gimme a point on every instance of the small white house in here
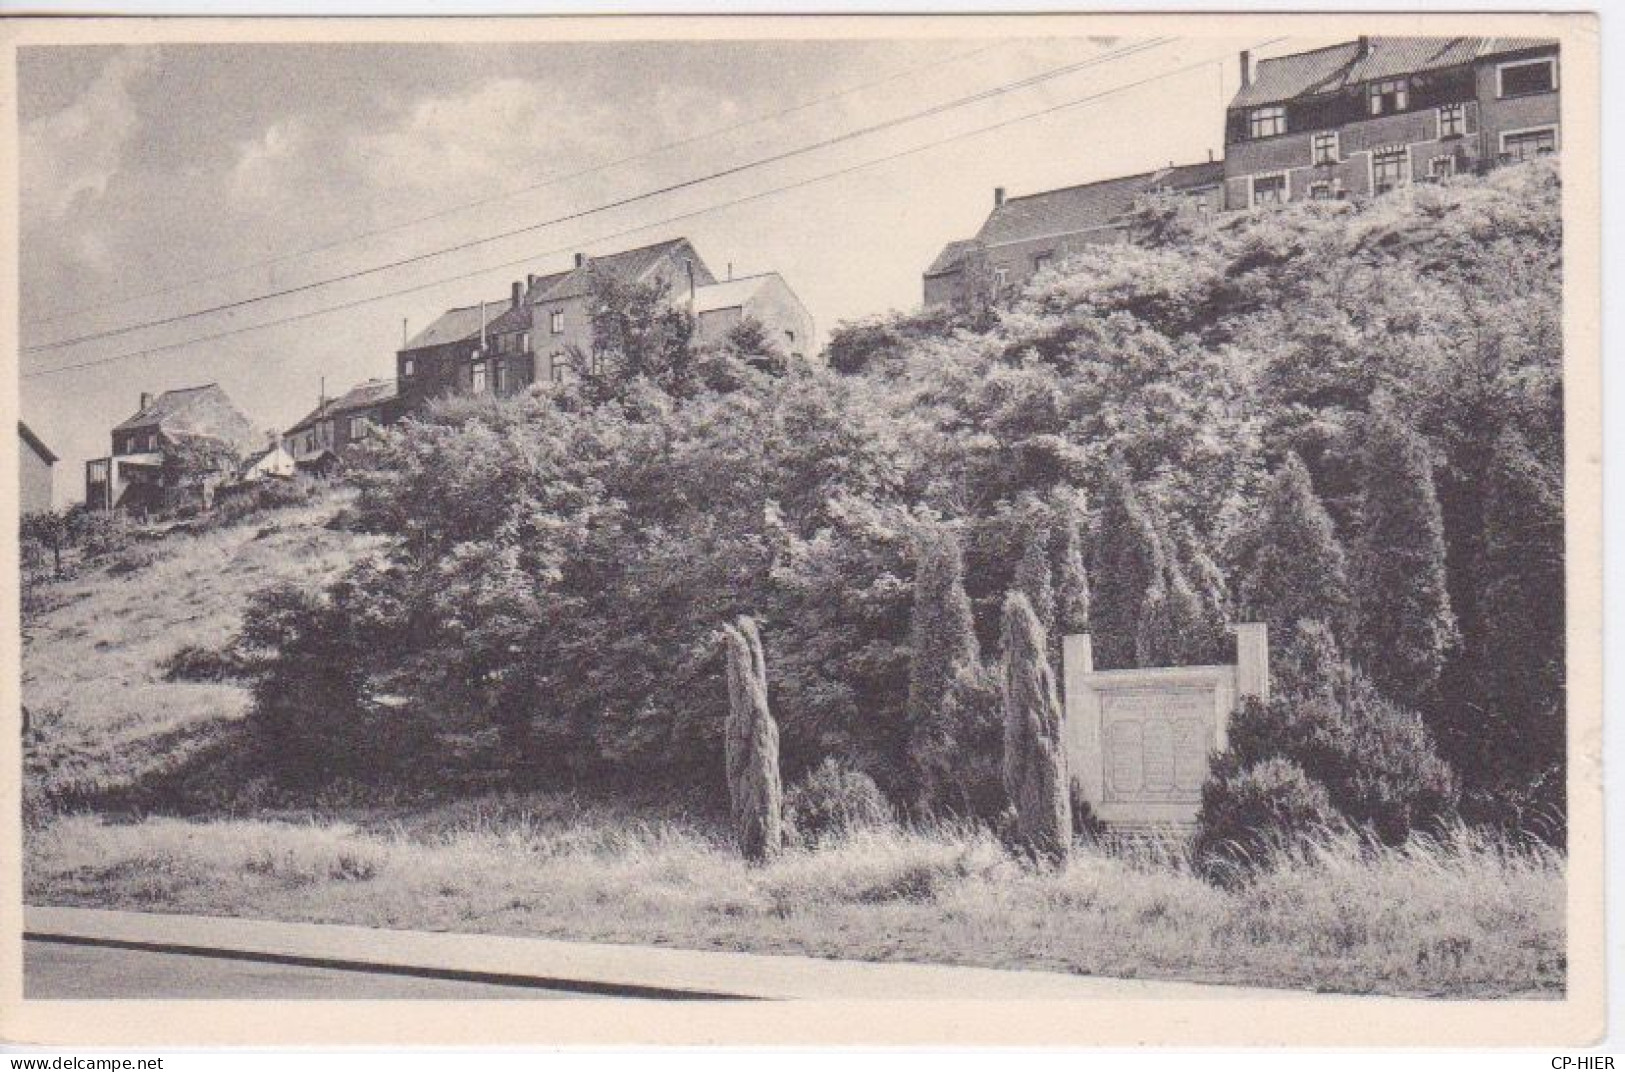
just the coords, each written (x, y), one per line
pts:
(273, 461)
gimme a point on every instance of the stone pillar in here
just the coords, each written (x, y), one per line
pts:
(1253, 660)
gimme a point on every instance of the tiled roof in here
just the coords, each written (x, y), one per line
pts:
(171, 404)
(36, 442)
(1327, 70)
(951, 257)
(1069, 210)
(366, 393)
(629, 264)
(456, 325)
(514, 318)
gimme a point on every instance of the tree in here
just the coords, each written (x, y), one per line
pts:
(638, 334)
(1406, 627)
(1035, 773)
(1072, 597)
(948, 711)
(1128, 561)
(1033, 575)
(752, 738)
(1297, 571)
(52, 530)
(1174, 628)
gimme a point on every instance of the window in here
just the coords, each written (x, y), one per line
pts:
(1389, 170)
(1001, 276)
(1441, 167)
(790, 337)
(409, 367)
(501, 369)
(524, 342)
(358, 428)
(555, 366)
(1323, 148)
(1389, 95)
(557, 321)
(1522, 79)
(1452, 120)
(1043, 260)
(1528, 144)
(1320, 191)
(476, 377)
(1266, 122)
(1269, 189)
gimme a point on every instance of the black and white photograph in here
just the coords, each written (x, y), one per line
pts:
(640, 518)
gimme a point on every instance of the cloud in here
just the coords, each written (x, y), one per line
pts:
(280, 159)
(73, 154)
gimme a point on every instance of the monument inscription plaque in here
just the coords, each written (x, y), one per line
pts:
(1139, 742)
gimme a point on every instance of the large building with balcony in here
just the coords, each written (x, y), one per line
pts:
(1379, 113)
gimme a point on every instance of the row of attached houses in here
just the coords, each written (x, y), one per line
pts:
(495, 347)
(545, 323)
(1356, 119)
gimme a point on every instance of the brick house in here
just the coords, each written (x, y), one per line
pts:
(1378, 113)
(1023, 235)
(176, 449)
(320, 438)
(35, 461)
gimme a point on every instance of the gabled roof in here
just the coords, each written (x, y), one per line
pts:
(1091, 206)
(1337, 67)
(952, 257)
(364, 394)
(1188, 176)
(514, 318)
(37, 443)
(457, 325)
(172, 404)
(630, 265)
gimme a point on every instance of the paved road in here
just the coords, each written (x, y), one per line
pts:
(55, 970)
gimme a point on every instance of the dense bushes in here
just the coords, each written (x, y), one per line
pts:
(1250, 812)
(557, 558)
(832, 801)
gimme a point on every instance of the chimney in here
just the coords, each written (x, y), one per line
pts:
(998, 196)
(581, 260)
(405, 336)
(730, 271)
(518, 289)
(1210, 156)
(482, 326)
(146, 401)
(1364, 48)
(1246, 69)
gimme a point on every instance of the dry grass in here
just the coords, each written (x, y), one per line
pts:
(1460, 917)
(103, 715)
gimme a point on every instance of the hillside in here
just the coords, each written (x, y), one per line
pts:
(104, 717)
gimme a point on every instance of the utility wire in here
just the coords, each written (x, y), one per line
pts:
(553, 180)
(684, 184)
(901, 154)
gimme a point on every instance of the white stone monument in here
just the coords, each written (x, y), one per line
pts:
(1139, 741)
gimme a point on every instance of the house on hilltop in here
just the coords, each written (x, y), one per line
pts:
(502, 347)
(176, 448)
(36, 464)
(1379, 113)
(1024, 235)
(320, 438)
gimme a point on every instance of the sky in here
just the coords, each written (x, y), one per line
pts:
(159, 181)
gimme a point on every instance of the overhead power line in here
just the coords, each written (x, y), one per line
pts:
(631, 199)
(529, 258)
(504, 195)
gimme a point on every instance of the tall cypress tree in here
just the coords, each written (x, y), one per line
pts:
(1072, 595)
(1298, 571)
(1033, 576)
(944, 658)
(1127, 561)
(1405, 624)
(1035, 771)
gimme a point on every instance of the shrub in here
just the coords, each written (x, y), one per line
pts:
(831, 802)
(1250, 811)
(100, 533)
(1376, 760)
(258, 498)
(131, 559)
(192, 662)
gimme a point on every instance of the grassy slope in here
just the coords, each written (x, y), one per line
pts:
(103, 715)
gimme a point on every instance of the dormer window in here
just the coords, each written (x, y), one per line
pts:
(1388, 96)
(1266, 122)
